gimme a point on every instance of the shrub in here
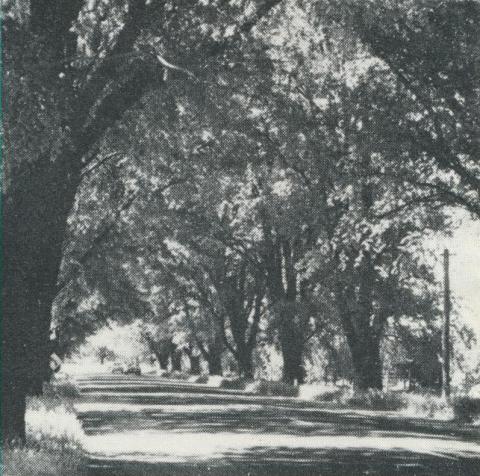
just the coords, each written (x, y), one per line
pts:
(234, 384)
(63, 388)
(176, 375)
(52, 422)
(322, 393)
(274, 388)
(466, 409)
(376, 400)
(425, 405)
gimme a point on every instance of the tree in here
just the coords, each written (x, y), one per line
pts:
(80, 77)
(104, 353)
(431, 48)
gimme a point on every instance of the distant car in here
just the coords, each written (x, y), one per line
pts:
(133, 369)
(118, 368)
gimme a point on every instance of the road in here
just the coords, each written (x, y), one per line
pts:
(152, 426)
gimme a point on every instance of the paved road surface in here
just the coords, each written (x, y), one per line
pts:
(153, 426)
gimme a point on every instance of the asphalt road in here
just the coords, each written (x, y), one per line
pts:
(153, 426)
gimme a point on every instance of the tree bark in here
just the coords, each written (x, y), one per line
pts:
(13, 413)
(292, 353)
(367, 364)
(363, 342)
(176, 356)
(194, 359)
(163, 359)
(215, 351)
(34, 217)
(245, 363)
(194, 364)
(214, 363)
(280, 264)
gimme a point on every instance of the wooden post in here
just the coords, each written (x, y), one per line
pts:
(446, 327)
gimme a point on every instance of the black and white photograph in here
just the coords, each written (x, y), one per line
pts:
(240, 237)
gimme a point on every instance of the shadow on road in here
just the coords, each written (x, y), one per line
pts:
(181, 433)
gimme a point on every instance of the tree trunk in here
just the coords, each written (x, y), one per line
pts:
(34, 221)
(292, 354)
(13, 410)
(215, 364)
(163, 360)
(367, 365)
(244, 360)
(214, 358)
(176, 357)
(291, 345)
(195, 368)
(194, 364)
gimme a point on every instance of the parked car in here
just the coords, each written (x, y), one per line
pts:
(133, 369)
(118, 368)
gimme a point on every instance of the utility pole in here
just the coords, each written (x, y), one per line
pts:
(446, 326)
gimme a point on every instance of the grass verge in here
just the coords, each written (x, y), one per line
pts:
(54, 438)
(414, 405)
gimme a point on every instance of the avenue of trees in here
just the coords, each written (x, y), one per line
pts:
(231, 172)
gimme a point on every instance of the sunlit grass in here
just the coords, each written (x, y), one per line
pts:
(54, 441)
(410, 405)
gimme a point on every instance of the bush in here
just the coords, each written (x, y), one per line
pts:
(53, 423)
(176, 375)
(321, 393)
(466, 409)
(62, 388)
(274, 388)
(425, 405)
(416, 405)
(376, 400)
(234, 384)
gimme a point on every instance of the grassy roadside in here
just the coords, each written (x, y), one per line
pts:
(54, 438)
(425, 405)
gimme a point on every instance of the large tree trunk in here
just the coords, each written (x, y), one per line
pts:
(245, 363)
(367, 364)
(163, 359)
(365, 347)
(214, 359)
(176, 357)
(292, 353)
(363, 342)
(34, 218)
(215, 363)
(13, 410)
(194, 364)
(282, 284)
(195, 368)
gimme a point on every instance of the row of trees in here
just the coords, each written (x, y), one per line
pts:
(222, 166)
(272, 203)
